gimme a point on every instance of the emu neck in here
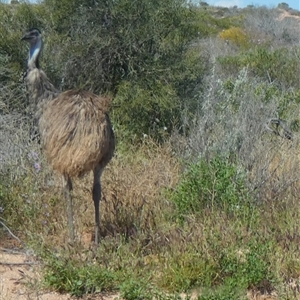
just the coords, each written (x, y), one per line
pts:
(34, 53)
(39, 88)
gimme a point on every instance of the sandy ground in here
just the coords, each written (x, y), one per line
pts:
(15, 270)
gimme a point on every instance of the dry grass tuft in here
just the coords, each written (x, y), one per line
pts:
(131, 197)
(275, 172)
(132, 189)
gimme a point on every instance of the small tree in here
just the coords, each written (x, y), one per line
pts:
(283, 5)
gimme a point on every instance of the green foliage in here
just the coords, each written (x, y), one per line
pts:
(125, 40)
(216, 184)
(134, 290)
(236, 36)
(240, 270)
(246, 267)
(289, 102)
(70, 276)
(62, 13)
(188, 270)
(267, 92)
(209, 25)
(220, 266)
(138, 51)
(145, 109)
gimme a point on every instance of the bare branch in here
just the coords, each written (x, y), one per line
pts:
(9, 231)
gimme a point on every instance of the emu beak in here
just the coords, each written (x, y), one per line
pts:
(28, 37)
(25, 37)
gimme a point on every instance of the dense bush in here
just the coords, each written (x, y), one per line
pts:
(217, 184)
(138, 56)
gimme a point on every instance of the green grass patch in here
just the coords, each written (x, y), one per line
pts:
(65, 275)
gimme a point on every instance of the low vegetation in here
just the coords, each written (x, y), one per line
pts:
(201, 197)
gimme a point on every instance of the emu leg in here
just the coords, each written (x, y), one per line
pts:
(96, 199)
(67, 188)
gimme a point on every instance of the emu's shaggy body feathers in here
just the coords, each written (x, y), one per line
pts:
(76, 132)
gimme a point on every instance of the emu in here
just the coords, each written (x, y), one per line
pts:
(74, 127)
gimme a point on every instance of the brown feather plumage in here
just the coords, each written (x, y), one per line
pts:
(76, 132)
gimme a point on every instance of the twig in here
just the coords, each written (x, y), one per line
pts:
(12, 251)
(9, 231)
(19, 264)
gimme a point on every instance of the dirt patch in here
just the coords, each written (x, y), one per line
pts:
(19, 277)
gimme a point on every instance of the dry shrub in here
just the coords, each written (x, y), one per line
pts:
(132, 190)
(269, 25)
(25, 179)
(275, 172)
(131, 196)
(14, 141)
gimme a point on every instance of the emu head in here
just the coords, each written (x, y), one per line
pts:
(34, 38)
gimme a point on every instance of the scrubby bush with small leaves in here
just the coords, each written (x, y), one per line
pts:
(217, 183)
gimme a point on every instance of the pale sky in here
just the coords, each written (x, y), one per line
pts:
(295, 4)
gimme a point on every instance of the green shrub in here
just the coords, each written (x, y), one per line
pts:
(188, 269)
(239, 270)
(237, 36)
(208, 24)
(246, 267)
(134, 290)
(149, 109)
(216, 183)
